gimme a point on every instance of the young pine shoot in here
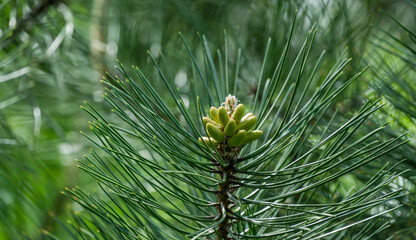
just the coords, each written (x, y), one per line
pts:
(282, 164)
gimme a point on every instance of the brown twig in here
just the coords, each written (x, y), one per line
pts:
(225, 188)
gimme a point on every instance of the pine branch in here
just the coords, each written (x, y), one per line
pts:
(213, 176)
(30, 19)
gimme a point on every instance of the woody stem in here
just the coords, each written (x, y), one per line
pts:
(224, 201)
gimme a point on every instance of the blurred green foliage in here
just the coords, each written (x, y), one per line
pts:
(53, 53)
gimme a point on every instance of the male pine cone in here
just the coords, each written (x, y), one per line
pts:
(229, 126)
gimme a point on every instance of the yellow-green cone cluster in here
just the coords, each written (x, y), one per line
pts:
(229, 126)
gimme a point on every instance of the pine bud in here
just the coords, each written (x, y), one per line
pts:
(215, 133)
(246, 116)
(238, 112)
(237, 139)
(207, 120)
(252, 136)
(223, 116)
(208, 141)
(248, 123)
(230, 103)
(230, 128)
(214, 114)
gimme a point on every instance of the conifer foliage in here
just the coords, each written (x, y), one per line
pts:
(267, 168)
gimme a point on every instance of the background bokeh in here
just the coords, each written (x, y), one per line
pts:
(53, 54)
